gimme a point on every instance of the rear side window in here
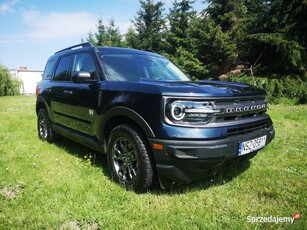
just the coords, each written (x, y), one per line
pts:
(62, 70)
(48, 70)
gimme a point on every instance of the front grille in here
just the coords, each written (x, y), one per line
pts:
(235, 109)
(249, 129)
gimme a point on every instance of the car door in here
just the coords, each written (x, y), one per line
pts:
(75, 105)
(60, 91)
(84, 95)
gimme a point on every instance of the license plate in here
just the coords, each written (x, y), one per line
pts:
(251, 145)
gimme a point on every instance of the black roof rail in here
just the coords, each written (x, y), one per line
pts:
(82, 45)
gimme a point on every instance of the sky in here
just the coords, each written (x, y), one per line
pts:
(32, 30)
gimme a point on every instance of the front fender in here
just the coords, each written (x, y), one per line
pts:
(121, 111)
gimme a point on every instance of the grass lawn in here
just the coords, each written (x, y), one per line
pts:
(65, 185)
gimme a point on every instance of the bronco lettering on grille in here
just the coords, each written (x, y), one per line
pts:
(245, 108)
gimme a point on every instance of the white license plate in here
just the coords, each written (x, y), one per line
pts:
(251, 145)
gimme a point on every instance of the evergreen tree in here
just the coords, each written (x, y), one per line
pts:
(227, 13)
(230, 15)
(100, 37)
(106, 35)
(132, 39)
(279, 29)
(150, 25)
(212, 47)
(179, 19)
(113, 35)
(189, 64)
(178, 41)
(292, 16)
(272, 32)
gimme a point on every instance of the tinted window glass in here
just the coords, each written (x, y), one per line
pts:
(62, 70)
(48, 69)
(85, 62)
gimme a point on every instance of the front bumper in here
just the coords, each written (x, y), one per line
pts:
(186, 161)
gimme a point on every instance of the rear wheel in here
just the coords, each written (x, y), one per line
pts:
(129, 158)
(45, 132)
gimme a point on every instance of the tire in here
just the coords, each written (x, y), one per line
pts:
(129, 158)
(44, 129)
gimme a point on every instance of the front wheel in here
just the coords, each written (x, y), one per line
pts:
(129, 158)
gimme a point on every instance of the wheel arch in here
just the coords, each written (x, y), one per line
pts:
(41, 103)
(120, 115)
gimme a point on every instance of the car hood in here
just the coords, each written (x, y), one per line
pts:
(189, 88)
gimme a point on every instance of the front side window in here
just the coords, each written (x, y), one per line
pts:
(85, 62)
(134, 67)
(62, 70)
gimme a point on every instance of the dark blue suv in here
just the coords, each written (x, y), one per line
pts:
(153, 123)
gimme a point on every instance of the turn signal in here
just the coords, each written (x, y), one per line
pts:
(157, 146)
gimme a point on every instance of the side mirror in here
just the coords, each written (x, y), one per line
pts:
(82, 77)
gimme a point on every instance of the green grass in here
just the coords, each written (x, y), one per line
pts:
(49, 186)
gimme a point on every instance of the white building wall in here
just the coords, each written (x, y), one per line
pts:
(29, 80)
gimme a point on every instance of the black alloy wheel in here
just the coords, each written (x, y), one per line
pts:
(129, 158)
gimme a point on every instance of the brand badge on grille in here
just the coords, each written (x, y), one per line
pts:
(248, 108)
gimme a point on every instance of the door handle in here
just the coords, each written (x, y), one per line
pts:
(68, 92)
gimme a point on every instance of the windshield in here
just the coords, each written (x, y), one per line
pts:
(134, 67)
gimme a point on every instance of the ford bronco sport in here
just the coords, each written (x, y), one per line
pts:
(148, 117)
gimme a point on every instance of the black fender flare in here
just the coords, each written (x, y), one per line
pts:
(40, 100)
(128, 113)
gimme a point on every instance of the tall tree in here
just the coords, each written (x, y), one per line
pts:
(272, 32)
(230, 15)
(113, 35)
(214, 48)
(179, 19)
(131, 38)
(106, 35)
(292, 15)
(150, 25)
(227, 13)
(189, 63)
(178, 40)
(99, 38)
(279, 28)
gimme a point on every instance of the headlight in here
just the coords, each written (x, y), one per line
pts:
(177, 110)
(181, 112)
